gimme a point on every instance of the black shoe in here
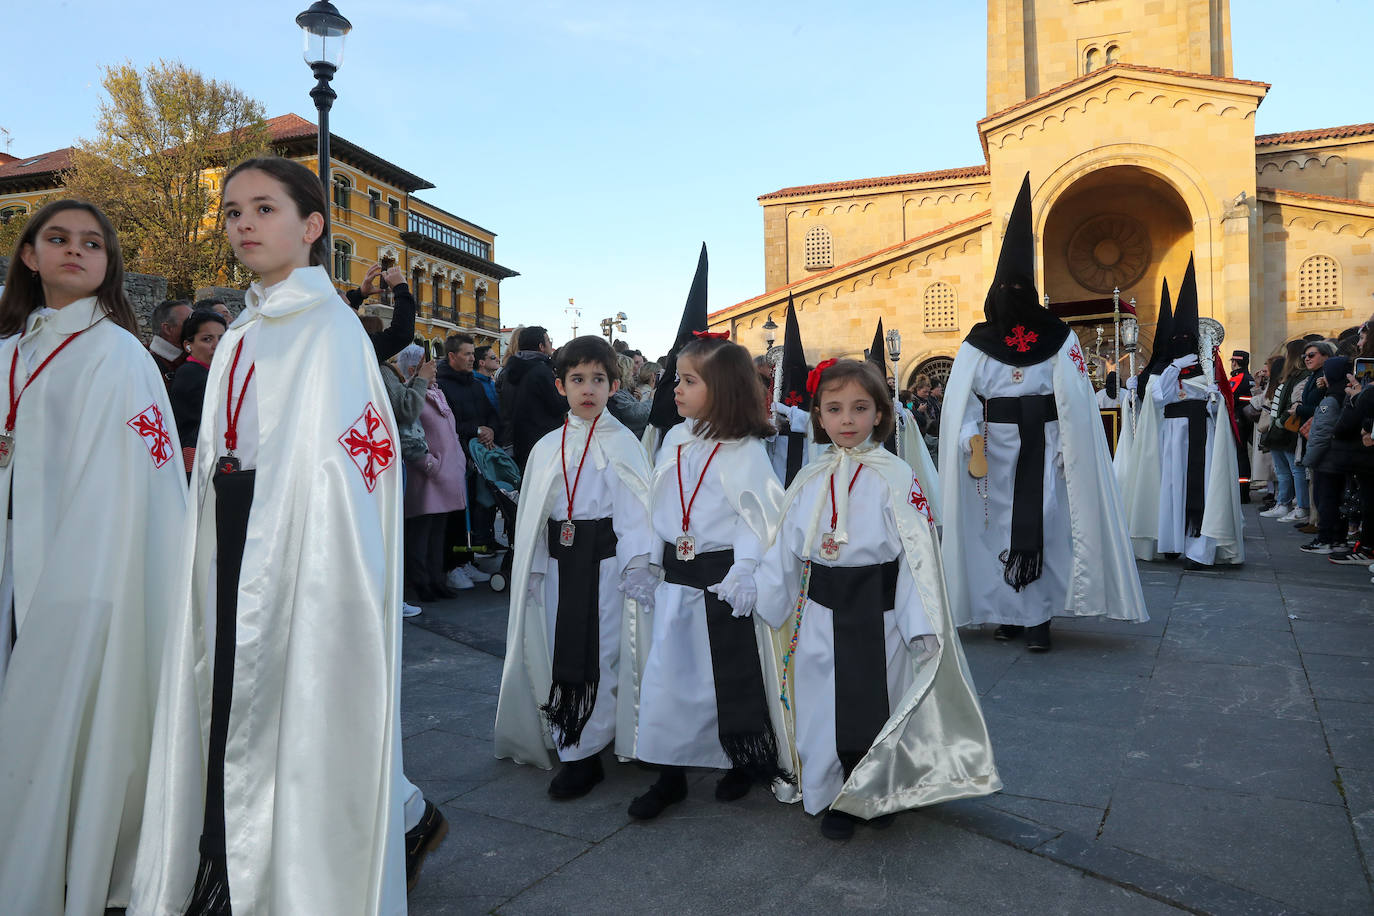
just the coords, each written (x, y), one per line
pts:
(882, 821)
(667, 791)
(836, 825)
(734, 785)
(422, 839)
(1038, 637)
(577, 778)
(1194, 566)
(1171, 556)
(443, 592)
(1007, 631)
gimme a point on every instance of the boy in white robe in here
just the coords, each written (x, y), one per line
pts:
(582, 546)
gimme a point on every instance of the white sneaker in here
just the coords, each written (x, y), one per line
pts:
(409, 610)
(1279, 511)
(458, 579)
(1297, 515)
(475, 573)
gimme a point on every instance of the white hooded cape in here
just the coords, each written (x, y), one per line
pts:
(98, 499)
(1103, 580)
(935, 746)
(522, 731)
(313, 824)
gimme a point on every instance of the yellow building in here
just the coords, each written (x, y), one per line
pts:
(1141, 149)
(450, 261)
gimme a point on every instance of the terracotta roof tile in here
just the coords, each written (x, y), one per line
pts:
(972, 171)
(1323, 198)
(290, 127)
(6, 157)
(1322, 133)
(872, 254)
(54, 161)
(1130, 68)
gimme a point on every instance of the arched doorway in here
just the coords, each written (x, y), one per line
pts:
(1117, 227)
(936, 367)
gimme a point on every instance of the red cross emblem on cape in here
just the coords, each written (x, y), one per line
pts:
(153, 430)
(917, 498)
(371, 455)
(1021, 339)
(793, 399)
(1076, 355)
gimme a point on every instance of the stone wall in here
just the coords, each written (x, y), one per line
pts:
(229, 296)
(145, 291)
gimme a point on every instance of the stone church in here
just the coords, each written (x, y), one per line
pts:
(1141, 148)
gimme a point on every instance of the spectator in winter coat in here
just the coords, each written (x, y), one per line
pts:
(529, 398)
(1328, 484)
(485, 366)
(474, 415)
(401, 334)
(623, 405)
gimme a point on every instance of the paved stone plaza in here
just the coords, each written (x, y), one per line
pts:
(1217, 759)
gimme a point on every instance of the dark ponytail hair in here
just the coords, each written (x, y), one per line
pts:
(303, 187)
(24, 288)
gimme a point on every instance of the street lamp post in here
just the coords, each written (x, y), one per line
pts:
(770, 329)
(1116, 325)
(610, 325)
(324, 28)
(576, 314)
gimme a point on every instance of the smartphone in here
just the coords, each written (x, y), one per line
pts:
(1364, 370)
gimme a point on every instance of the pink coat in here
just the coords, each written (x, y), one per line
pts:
(438, 482)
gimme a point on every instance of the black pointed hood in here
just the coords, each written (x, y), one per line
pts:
(664, 413)
(1016, 328)
(793, 386)
(1159, 350)
(877, 352)
(1183, 337)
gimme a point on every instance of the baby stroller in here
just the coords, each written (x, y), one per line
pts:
(499, 487)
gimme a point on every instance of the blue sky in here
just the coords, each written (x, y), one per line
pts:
(604, 141)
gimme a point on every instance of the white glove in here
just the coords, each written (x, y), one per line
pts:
(966, 435)
(1132, 382)
(534, 591)
(640, 584)
(738, 589)
(925, 647)
(1183, 362)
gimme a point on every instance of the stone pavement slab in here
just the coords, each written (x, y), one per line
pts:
(1217, 759)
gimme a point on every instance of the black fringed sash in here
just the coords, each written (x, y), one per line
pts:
(746, 732)
(233, 502)
(1195, 493)
(1024, 561)
(577, 631)
(857, 597)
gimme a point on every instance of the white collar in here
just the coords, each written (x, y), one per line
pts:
(304, 287)
(78, 316)
(163, 347)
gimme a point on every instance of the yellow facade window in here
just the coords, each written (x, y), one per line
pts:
(1319, 283)
(819, 252)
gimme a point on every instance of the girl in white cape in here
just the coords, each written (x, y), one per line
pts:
(94, 498)
(707, 695)
(885, 715)
(277, 742)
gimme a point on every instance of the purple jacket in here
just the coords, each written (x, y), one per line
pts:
(438, 482)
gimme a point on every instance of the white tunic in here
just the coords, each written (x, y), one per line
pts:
(677, 716)
(987, 507)
(600, 494)
(1173, 467)
(873, 539)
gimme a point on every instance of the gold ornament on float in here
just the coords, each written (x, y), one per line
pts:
(1108, 252)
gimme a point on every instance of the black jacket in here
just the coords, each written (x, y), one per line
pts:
(536, 407)
(187, 397)
(466, 398)
(401, 334)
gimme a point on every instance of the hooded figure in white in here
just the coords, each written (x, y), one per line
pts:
(1039, 530)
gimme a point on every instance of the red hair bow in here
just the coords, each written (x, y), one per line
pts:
(711, 335)
(813, 378)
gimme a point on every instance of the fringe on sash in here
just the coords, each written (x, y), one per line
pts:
(756, 754)
(568, 710)
(1022, 567)
(210, 895)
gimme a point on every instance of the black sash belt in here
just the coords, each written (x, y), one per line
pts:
(1022, 563)
(233, 503)
(857, 597)
(746, 732)
(1195, 495)
(577, 631)
(796, 452)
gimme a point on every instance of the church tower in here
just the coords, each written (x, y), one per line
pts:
(1036, 45)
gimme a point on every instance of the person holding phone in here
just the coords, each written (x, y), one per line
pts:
(401, 333)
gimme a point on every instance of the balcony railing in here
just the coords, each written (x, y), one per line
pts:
(437, 231)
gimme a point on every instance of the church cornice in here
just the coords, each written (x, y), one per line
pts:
(886, 182)
(1348, 133)
(1224, 95)
(927, 242)
(1336, 215)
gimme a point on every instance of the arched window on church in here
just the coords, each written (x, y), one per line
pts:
(941, 308)
(819, 254)
(1092, 60)
(1113, 54)
(1319, 283)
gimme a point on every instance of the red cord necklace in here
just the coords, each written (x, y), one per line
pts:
(7, 438)
(830, 548)
(228, 463)
(568, 531)
(686, 544)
